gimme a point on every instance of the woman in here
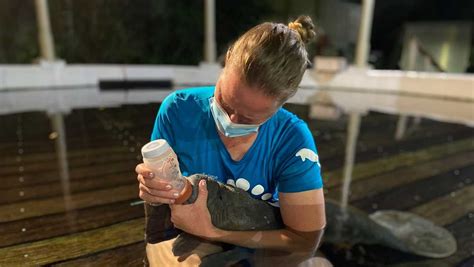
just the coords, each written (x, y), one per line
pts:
(238, 132)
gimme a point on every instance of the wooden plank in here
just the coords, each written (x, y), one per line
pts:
(390, 147)
(77, 143)
(38, 121)
(77, 173)
(88, 117)
(373, 139)
(41, 207)
(48, 156)
(73, 163)
(78, 160)
(448, 208)
(87, 136)
(56, 189)
(379, 166)
(75, 139)
(418, 192)
(367, 188)
(129, 255)
(38, 228)
(462, 230)
(72, 246)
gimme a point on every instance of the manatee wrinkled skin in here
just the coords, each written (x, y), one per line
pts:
(231, 208)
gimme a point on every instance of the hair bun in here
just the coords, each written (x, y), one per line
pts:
(304, 26)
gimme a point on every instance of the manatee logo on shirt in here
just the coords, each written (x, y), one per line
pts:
(307, 154)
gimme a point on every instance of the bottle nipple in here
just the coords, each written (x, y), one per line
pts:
(185, 193)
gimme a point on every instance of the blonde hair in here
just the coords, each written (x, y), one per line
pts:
(273, 56)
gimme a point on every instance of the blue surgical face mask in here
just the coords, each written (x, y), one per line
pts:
(226, 126)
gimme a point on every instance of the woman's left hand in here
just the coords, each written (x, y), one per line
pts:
(194, 218)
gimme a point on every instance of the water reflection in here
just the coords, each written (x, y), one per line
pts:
(58, 134)
(67, 178)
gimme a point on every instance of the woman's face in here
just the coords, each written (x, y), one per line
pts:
(243, 104)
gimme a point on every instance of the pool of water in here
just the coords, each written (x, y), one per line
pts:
(67, 162)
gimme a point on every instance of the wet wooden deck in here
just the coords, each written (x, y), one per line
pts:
(430, 173)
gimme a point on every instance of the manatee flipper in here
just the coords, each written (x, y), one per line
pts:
(420, 236)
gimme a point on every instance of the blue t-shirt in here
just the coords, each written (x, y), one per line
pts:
(282, 158)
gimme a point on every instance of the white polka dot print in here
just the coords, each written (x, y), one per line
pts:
(230, 182)
(243, 184)
(266, 196)
(257, 190)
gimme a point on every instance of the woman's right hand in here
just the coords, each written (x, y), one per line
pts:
(152, 189)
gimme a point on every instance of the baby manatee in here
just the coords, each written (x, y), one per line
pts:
(232, 208)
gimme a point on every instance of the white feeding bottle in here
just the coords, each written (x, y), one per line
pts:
(160, 158)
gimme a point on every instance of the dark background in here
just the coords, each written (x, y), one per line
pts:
(171, 32)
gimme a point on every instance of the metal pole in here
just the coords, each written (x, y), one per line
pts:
(210, 31)
(45, 36)
(365, 28)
